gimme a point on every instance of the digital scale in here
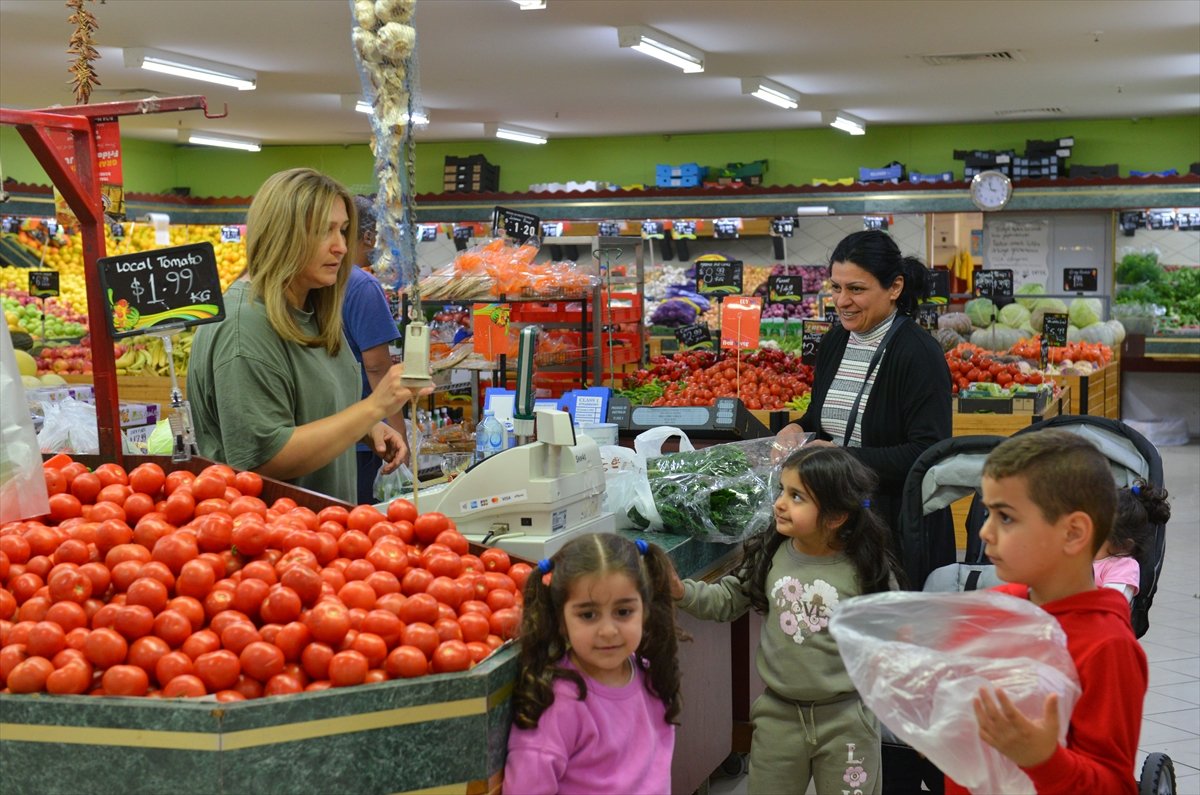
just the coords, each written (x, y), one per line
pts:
(532, 499)
(727, 419)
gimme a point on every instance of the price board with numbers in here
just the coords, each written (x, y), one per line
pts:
(831, 314)
(1054, 329)
(162, 288)
(683, 230)
(784, 289)
(784, 226)
(520, 226)
(727, 228)
(813, 331)
(939, 286)
(428, 232)
(997, 283)
(694, 337)
(654, 230)
(875, 222)
(43, 284)
(1080, 280)
(464, 233)
(608, 228)
(719, 278)
(231, 234)
(552, 229)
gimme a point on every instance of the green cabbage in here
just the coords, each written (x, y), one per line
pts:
(1015, 315)
(1044, 305)
(161, 440)
(981, 311)
(1085, 312)
(1118, 330)
(1029, 288)
(957, 322)
(1097, 332)
(996, 337)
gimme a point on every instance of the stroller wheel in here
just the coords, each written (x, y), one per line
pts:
(734, 765)
(1158, 776)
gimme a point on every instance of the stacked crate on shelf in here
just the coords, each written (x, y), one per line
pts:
(471, 174)
(1089, 393)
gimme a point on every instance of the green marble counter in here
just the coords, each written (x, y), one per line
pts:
(445, 731)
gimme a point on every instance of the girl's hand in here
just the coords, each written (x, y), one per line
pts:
(1003, 726)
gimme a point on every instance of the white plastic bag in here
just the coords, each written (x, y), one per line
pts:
(69, 427)
(919, 660)
(22, 484)
(626, 487)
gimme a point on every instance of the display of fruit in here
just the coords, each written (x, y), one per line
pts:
(68, 359)
(146, 354)
(23, 312)
(179, 585)
(764, 379)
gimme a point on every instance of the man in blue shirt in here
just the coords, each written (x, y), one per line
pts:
(369, 328)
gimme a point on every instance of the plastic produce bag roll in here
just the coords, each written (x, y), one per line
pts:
(22, 484)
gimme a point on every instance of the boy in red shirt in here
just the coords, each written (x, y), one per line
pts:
(1051, 498)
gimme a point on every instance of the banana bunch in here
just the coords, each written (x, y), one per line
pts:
(146, 355)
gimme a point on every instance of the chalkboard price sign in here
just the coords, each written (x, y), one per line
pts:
(683, 230)
(429, 232)
(831, 314)
(515, 224)
(231, 234)
(43, 284)
(928, 314)
(784, 289)
(996, 283)
(166, 287)
(608, 228)
(719, 278)
(653, 230)
(784, 226)
(552, 229)
(814, 331)
(726, 228)
(464, 233)
(694, 336)
(1054, 329)
(1080, 280)
(939, 286)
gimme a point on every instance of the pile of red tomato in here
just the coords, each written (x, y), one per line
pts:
(765, 379)
(147, 583)
(970, 364)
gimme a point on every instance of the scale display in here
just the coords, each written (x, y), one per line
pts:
(727, 419)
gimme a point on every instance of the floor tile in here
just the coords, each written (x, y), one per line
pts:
(1157, 702)
(1156, 652)
(1183, 691)
(1186, 720)
(1184, 752)
(1156, 732)
(1177, 621)
(1190, 666)
(1187, 785)
(1182, 641)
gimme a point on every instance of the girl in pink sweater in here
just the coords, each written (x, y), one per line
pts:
(596, 698)
(1139, 508)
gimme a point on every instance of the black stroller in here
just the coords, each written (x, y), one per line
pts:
(952, 469)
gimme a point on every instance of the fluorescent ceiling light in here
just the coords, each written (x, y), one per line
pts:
(530, 5)
(659, 45)
(362, 106)
(807, 210)
(841, 120)
(226, 142)
(511, 133)
(186, 66)
(770, 91)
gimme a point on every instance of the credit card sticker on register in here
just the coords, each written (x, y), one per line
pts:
(466, 506)
(558, 521)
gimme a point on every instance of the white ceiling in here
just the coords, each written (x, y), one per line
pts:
(560, 70)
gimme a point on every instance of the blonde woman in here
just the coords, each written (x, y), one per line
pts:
(274, 387)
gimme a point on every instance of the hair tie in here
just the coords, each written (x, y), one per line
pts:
(866, 503)
(642, 546)
(545, 565)
(1136, 489)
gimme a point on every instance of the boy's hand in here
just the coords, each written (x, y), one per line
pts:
(676, 585)
(1003, 726)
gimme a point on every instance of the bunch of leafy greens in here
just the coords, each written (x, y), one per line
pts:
(645, 394)
(710, 493)
(1138, 267)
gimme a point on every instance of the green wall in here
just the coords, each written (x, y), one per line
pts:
(796, 156)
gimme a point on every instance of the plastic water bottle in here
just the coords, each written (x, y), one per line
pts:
(489, 437)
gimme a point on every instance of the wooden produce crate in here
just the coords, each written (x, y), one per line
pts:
(1006, 424)
(784, 416)
(139, 388)
(1112, 392)
(1088, 392)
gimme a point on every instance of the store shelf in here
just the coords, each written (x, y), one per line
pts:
(1140, 354)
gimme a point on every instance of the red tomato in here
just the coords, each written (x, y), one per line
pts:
(30, 675)
(105, 648)
(218, 670)
(228, 696)
(184, 686)
(215, 532)
(451, 655)
(292, 639)
(149, 592)
(261, 660)
(358, 570)
(207, 487)
(171, 665)
(46, 639)
(250, 538)
(506, 622)
(479, 651)
(401, 511)
(446, 591)
(474, 626)
(64, 506)
(416, 581)
(475, 606)
(192, 608)
(455, 540)
(500, 598)
(421, 635)
(445, 564)
(383, 583)
(496, 560)
(68, 615)
(428, 525)
(147, 479)
(146, 652)
(420, 607)
(55, 482)
(179, 507)
(125, 680)
(173, 627)
(348, 668)
(357, 594)
(238, 635)
(86, 486)
(73, 678)
(315, 660)
(200, 643)
(70, 586)
(134, 621)
(115, 494)
(282, 684)
(519, 572)
(363, 517)
(329, 622)
(370, 646)
(448, 629)
(247, 687)
(406, 662)
(175, 550)
(282, 605)
(249, 595)
(196, 579)
(248, 483)
(305, 582)
(354, 544)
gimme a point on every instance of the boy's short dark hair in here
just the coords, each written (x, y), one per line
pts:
(1063, 472)
(366, 216)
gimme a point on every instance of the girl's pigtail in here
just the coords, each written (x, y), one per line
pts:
(541, 646)
(1153, 500)
(661, 634)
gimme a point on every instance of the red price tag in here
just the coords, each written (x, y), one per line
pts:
(740, 318)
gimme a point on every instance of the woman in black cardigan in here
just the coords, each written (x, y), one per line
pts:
(877, 371)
